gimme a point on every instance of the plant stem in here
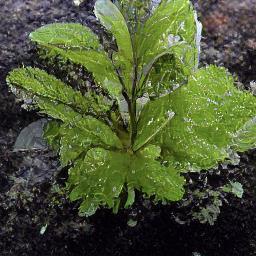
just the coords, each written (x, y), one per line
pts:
(133, 112)
(133, 121)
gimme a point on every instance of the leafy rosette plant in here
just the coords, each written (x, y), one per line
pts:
(156, 114)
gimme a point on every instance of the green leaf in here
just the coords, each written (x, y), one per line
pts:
(74, 141)
(99, 178)
(39, 83)
(52, 134)
(77, 43)
(245, 138)
(68, 35)
(151, 151)
(166, 73)
(61, 102)
(172, 23)
(130, 197)
(135, 12)
(154, 116)
(209, 111)
(98, 63)
(153, 179)
(113, 20)
(235, 188)
(99, 132)
(132, 223)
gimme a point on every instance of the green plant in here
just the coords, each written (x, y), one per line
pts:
(208, 211)
(154, 114)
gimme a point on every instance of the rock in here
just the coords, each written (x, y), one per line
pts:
(31, 137)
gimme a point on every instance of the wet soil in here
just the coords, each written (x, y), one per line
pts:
(30, 197)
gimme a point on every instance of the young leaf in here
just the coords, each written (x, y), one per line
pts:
(82, 47)
(235, 188)
(153, 118)
(245, 138)
(209, 110)
(113, 20)
(135, 12)
(130, 197)
(172, 23)
(166, 73)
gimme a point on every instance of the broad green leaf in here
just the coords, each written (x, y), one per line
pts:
(172, 21)
(153, 179)
(57, 110)
(113, 20)
(209, 111)
(151, 151)
(165, 74)
(39, 83)
(99, 179)
(167, 68)
(74, 141)
(79, 138)
(69, 141)
(99, 132)
(170, 30)
(154, 116)
(77, 43)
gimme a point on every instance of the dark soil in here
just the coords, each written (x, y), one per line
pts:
(29, 194)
